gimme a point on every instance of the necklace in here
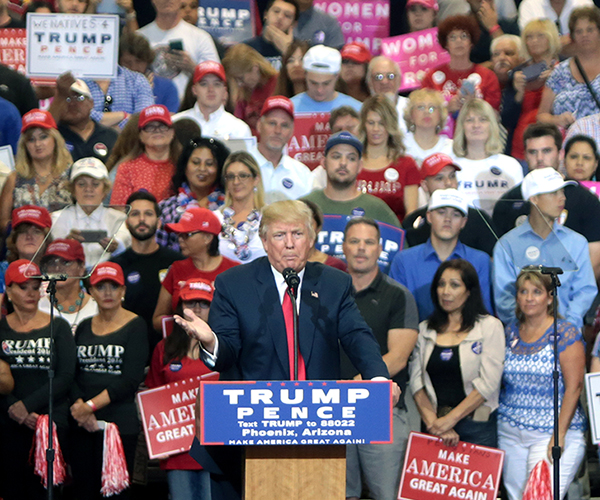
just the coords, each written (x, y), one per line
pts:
(239, 237)
(72, 309)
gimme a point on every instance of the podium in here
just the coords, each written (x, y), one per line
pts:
(294, 432)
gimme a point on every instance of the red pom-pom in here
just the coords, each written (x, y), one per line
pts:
(539, 484)
(39, 444)
(115, 477)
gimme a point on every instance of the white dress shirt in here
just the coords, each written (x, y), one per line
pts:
(220, 124)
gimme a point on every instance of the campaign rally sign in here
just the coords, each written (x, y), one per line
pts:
(311, 131)
(229, 21)
(13, 48)
(415, 53)
(433, 471)
(86, 45)
(331, 238)
(169, 416)
(365, 21)
(295, 412)
(592, 186)
(592, 384)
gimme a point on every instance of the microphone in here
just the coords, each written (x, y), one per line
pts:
(292, 279)
(550, 270)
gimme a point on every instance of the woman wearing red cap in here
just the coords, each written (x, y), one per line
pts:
(355, 59)
(25, 338)
(73, 303)
(178, 358)
(30, 228)
(198, 232)
(41, 168)
(151, 163)
(112, 350)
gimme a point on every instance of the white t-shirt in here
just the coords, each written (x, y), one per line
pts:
(541, 9)
(75, 318)
(290, 180)
(220, 124)
(483, 182)
(400, 107)
(196, 42)
(443, 145)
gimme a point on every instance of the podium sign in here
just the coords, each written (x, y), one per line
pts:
(295, 413)
(433, 471)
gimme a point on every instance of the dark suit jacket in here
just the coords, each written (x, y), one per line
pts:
(247, 317)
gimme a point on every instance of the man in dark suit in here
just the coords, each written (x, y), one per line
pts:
(249, 340)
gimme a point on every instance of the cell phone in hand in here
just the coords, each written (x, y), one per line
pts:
(467, 88)
(176, 45)
(93, 235)
(534, 71)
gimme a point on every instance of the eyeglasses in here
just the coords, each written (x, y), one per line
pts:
(428, 109)
(108, 102)
(154, 129)
(192, 304)
(382, 76)
(79, 98)
(185, 236)
(243, 177)
(462, 36)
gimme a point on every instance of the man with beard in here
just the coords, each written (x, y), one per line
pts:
(146, 263)
(71, 108)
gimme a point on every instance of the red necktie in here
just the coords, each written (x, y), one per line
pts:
(288, 316)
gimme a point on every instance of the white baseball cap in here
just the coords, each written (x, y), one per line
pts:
(81, 88)
(448, 198)
(324, 60)
(89, 166)
(542, 181)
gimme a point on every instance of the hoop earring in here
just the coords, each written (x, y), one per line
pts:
(412, 127)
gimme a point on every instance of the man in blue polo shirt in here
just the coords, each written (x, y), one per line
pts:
(415, 267)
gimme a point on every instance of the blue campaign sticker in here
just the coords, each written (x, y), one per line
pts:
(287, 183)
(476, 347)
(358, 212)
(175, 366)
(496, 170)
(133, 277)
(291, 413)
(446, 355)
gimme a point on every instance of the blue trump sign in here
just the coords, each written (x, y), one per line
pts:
(295, 412)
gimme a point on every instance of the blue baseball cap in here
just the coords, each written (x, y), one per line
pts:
(344, 137)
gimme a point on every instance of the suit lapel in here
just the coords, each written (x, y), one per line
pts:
(309, 311)
(271, 305)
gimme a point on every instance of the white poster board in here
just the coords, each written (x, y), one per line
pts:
(86, 45)
(592, 384)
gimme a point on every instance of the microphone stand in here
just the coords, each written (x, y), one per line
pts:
(50, 452)
(292, 294)
(556, 452)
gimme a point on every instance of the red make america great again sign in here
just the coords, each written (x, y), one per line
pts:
(433, 471)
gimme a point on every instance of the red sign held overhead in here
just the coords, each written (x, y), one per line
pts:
(433, 471)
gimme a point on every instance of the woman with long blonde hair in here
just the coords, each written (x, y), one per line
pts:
(41, 169)
(485, 173)
(251, 80)
(387, 173)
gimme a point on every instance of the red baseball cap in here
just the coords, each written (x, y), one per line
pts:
(436, 162)
(67, 249)
(155, 113)
(209, 68)
(196, 219)
(37, 118)
(278, 102)
(20, 271)
(197, 289)
(38, 216)
(108, 271)
(357, 52)
(430, 4)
